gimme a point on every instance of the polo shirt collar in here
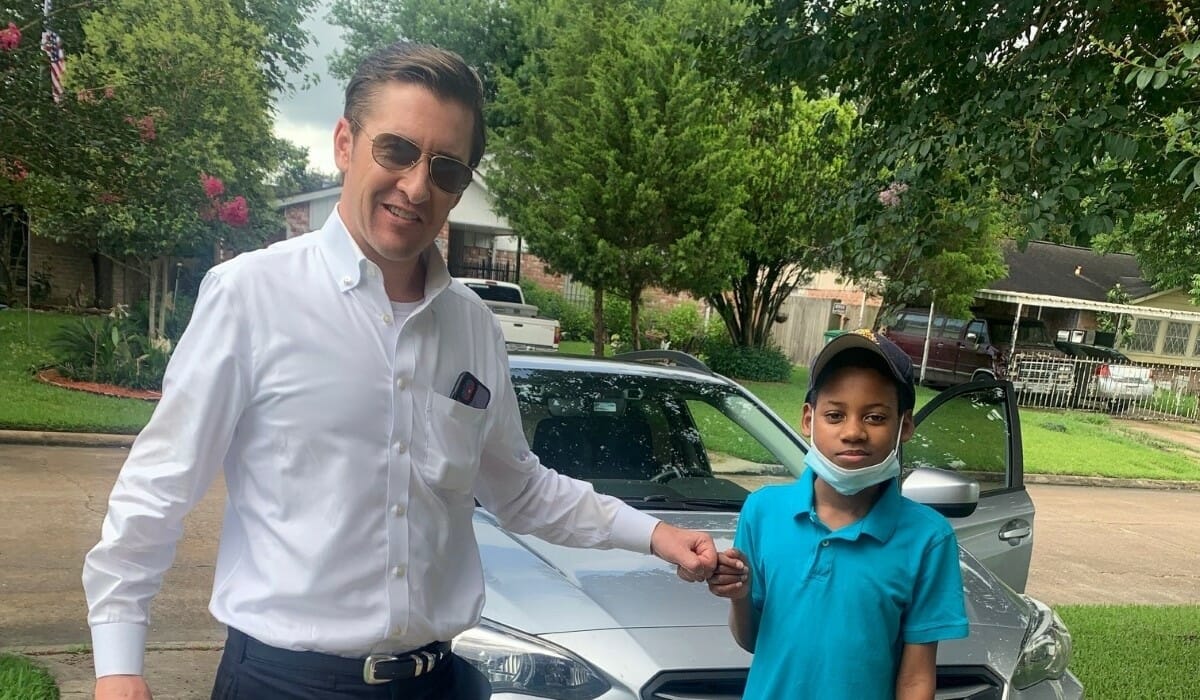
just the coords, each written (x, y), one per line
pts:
(348, 265)
(880, 521)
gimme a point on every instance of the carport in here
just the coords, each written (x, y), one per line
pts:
(1027, 299)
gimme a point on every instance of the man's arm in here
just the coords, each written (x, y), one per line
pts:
(917, 677)
(170, 466)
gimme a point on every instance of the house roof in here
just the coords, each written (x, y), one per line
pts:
(1070, 272)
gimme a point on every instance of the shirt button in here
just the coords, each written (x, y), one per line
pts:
(346, 281)
(825, 543)
(371, 272)
(387, 319)
(400, 383)
(398, 572)
(400, 447)
(398, 510)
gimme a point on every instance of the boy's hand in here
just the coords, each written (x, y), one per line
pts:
(732, 577)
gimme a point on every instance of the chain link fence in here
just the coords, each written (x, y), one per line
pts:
(1129, 389)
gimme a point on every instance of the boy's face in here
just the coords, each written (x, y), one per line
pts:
(857, 418)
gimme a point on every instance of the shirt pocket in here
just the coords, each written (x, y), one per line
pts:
(455, 442)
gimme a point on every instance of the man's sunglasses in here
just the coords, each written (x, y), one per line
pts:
(394, 152)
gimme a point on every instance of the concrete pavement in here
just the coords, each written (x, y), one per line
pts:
(1093, 545)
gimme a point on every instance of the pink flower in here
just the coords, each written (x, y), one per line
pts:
(85, 96)
(213, 187)
(10, 37)
(891, 196)
(235, 212)
(146, 130)
(13, 170)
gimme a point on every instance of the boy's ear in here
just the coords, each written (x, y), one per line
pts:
(907, 426)
(806, 418)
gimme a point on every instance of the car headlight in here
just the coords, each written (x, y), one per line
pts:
(1047, 648)
(517, 663)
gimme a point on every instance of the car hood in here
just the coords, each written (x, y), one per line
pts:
(550, 590)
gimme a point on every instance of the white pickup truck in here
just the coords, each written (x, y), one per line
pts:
(523, 328)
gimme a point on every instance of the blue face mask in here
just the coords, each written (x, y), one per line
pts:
(850, 481)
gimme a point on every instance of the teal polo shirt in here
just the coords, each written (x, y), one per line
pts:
(837, 607)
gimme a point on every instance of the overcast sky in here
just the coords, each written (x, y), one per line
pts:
(306, 117)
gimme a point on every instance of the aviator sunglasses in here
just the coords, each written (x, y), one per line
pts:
(394, 152)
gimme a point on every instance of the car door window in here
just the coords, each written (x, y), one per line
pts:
(974, 429)
(979, 328)
(952, 329)
(968, 434)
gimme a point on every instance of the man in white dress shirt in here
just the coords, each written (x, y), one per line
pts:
(323, 376)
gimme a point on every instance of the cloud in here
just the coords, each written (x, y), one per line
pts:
(306, 116)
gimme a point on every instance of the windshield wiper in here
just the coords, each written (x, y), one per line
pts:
(664, 502)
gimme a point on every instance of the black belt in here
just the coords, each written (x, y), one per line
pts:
(374, 670)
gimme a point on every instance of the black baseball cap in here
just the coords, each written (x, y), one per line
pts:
(894, 358)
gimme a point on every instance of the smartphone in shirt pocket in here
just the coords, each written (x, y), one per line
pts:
(469, 391)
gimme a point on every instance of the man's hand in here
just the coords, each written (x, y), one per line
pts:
(732, 577)
(122, 688)
(693, 553)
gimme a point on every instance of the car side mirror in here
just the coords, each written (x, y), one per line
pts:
(973, 338)
(949, 493)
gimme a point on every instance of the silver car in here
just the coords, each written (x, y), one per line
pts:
(666, 435)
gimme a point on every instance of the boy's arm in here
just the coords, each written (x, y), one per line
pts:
(917, 677)
(743, 622)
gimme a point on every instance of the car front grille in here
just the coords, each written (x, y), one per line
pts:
(953, 683)
(696, 685)
(967, 683)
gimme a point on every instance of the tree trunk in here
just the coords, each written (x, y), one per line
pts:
(162, 309)
(635, 302)
(599, 339)
(151, 302)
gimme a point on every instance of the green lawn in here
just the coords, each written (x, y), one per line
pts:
(21, 679)
(29, 404)
(1084, 444)
(1136, 651)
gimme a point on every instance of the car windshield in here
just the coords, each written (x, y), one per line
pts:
(655, 442)
(1029, 333)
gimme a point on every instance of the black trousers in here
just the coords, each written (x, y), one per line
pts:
(250, 670)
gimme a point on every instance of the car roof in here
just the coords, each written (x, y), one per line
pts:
(564, 362)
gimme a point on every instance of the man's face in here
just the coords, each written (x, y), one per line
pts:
(395, 215)
(856, 419)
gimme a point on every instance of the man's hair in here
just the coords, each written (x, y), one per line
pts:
(858, 358)
(443, 72)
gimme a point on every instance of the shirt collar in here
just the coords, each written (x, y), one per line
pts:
(880, 521)
(347, 264)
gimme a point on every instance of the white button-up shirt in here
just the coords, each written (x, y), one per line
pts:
(351, 473)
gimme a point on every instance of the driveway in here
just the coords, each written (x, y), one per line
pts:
(1094, 545)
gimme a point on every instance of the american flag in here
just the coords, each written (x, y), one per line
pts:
(52, 46)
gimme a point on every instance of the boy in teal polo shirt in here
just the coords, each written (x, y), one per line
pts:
(840, 586)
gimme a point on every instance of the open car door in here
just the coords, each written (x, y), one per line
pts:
(974, 429)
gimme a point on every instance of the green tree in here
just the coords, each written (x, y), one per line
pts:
(489, 34)
(933, 242)
(798, 152)
(624, 165)
(293, 174)
(1074, 111)
(182, 98)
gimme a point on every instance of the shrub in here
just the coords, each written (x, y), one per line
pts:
(755, 364)
(682, 325)
(109, 350)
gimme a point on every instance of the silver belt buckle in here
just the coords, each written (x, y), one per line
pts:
(369, 668)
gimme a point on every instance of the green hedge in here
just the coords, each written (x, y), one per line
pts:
(754, 364)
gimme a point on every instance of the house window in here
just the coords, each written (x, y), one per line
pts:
(1196, 347)
(1177, 337)
(1145, 335)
